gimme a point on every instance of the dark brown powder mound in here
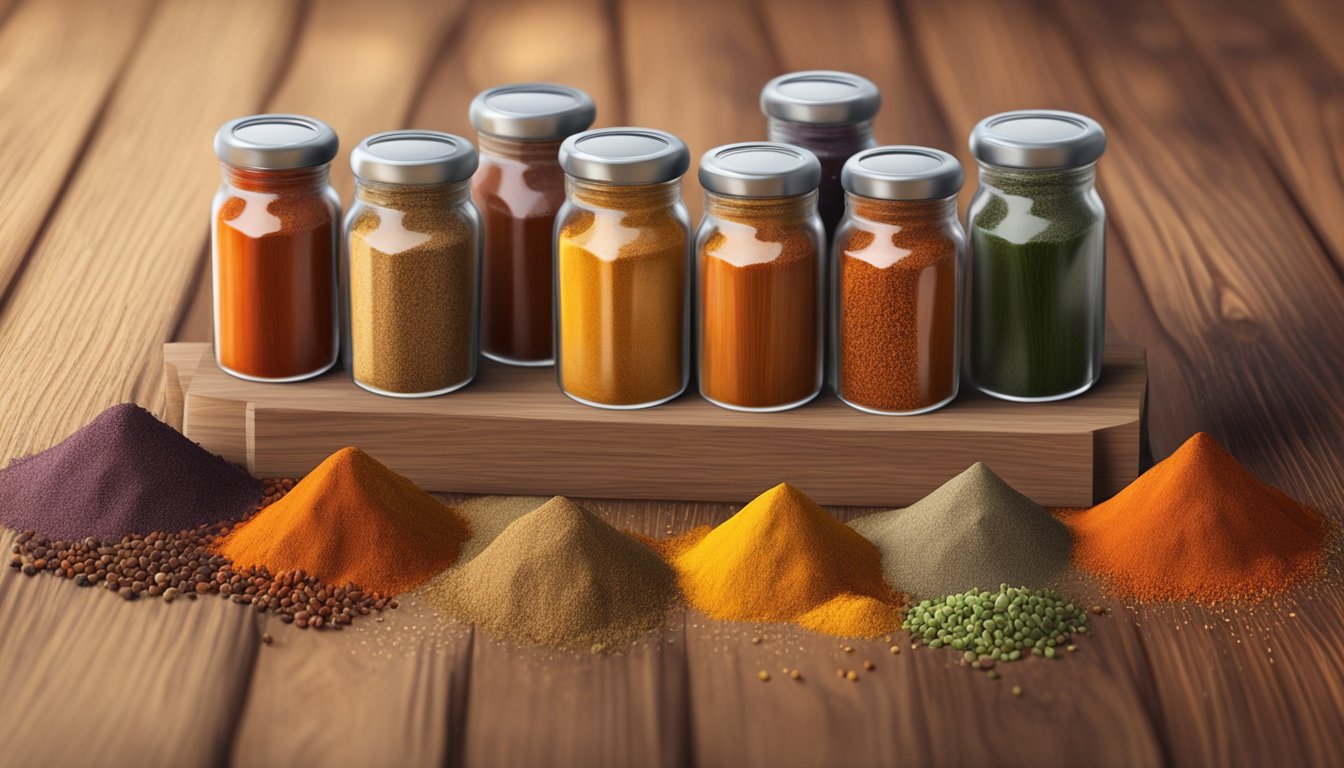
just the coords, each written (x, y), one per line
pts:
(561, 577)
(123, 473)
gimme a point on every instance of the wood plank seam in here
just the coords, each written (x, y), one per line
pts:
(76, 160)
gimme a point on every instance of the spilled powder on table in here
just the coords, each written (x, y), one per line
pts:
(352, 521)
(782, 558)
(1199, 526)
(125, 472)
(974, 532)
(560, 577)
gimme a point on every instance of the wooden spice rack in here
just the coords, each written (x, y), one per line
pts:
(513, 432)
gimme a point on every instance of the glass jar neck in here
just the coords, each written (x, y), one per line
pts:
(1039, 183)
(846, 138)
(295, 180)
(793, 208)
(395, 195)
(903, 213)
(624, 197)
(530, 152)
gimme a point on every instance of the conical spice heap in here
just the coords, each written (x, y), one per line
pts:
(782, 558)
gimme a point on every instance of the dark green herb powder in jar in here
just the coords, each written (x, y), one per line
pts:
(1037, 268)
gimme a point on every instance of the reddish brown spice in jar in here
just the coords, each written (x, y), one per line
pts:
(896, 304)
(760, 289)
(275, 273)
(518, 190)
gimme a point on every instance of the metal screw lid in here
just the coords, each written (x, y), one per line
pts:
(532, 111)
(413, 157)
(902, 173)
(1038, 139)
(759, 169)
(625, 156)
(822, 97)
(276, 142)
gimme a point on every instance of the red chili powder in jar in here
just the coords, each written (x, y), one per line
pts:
(897, 307)
(275, 274)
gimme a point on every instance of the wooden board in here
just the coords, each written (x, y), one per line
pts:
(1223, 262)
(512, 431)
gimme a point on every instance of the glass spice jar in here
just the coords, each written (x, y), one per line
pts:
(412, 264)
(831, 115)
(899, 255)
(622, 269)
(274, 242)
(1037, 272)
(518, 189)
(759, 278)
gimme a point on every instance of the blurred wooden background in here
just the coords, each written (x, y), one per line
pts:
(1224, 182)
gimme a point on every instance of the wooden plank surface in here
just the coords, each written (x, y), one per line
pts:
(516, 432)
(182, 670)
(1285, 90)
(1190, 224)
(61, 61)
(362, 72)
(130, 222)
(1221, 183)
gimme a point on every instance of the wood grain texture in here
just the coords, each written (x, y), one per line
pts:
(1285, 90)
(533, 707)
(59, 63)
(362, 71)
(513, 431)
(1218, 264)
(130, 222)
(1222, 324)
(709, 75)
(181, 672)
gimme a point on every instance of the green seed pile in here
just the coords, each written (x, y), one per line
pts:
(173, 565)
(1000, 625)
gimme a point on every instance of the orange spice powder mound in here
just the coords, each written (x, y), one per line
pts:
(352, 521)
(1198, 526)
(782, 558)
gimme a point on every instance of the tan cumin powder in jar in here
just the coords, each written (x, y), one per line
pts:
(412, 265)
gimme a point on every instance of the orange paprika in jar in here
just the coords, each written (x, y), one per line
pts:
(274, 247)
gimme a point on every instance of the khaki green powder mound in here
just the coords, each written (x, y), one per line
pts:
(974, 532)
(560, 577)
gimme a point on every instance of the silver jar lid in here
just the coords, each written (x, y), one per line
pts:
(759, 169)
(532, 111)
(413, 157)
(821, 97)
(1038, 139)
(276, 142)
(902, 173)
(625, 156)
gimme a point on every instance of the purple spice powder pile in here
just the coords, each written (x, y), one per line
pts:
(124, 472)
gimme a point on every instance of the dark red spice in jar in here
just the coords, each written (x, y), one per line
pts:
(519, 188)
(898, 258)
(274, 247)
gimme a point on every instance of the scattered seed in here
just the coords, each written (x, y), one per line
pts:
(1017, 690)
(993, 674)
(852, 676)
(795, 675)
(266, 638)
(868, 665)
(756, 641)
(763, 675)
(895, 649)
(847, 648)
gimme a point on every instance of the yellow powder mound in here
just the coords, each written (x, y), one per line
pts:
(782, 558)
(352, 521)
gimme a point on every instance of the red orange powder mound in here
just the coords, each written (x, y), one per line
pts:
(1199, 526)
(352, 521)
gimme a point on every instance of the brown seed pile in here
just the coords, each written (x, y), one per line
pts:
(173, 565)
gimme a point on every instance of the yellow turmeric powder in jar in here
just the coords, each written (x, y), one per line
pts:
(622, 269)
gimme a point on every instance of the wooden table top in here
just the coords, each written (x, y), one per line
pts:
(1224, 181)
